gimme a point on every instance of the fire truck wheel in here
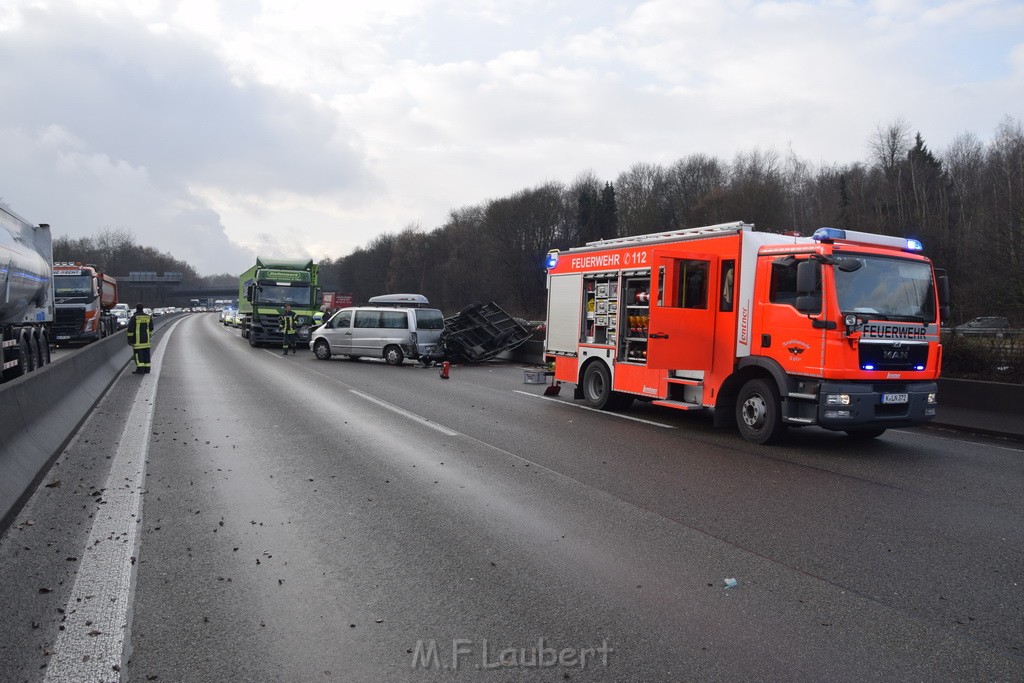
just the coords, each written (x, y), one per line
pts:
(597, 387)
(322, 349)
(757, 412)
(393, 355)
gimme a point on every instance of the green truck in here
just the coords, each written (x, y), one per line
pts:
(263, 291)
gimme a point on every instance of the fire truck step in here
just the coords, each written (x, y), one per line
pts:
(687, 382)
(678, 405)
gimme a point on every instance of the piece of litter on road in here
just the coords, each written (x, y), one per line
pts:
(730, 583)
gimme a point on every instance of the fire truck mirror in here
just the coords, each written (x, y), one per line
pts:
(807, 276)
(808, 304)
(848, 265)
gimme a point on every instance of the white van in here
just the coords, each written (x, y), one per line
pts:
(394, 327)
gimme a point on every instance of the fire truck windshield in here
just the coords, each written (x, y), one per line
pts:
(72, 285)
(278, 295)
(888, 289)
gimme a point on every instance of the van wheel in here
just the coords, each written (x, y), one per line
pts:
(758, 413)
(322, 349)
(393, 355)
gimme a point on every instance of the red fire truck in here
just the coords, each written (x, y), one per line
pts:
(838, 330)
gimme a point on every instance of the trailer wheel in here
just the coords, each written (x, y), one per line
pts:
(871, 433)
(322, 349)
(43, 344)
(33, 353)
(393, 355)
(24, 358)
(758, 413)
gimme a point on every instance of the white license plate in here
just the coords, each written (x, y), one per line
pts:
(895, 398)
(63, 336)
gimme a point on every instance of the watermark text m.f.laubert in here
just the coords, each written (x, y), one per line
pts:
(482, 654)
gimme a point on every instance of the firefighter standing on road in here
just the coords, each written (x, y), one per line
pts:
(288, 329)
(140, 336)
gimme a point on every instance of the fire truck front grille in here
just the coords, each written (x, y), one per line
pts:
(893, 356)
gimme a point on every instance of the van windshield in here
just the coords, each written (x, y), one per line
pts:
(429, 319)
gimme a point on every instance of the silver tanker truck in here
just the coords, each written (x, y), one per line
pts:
(26, 294)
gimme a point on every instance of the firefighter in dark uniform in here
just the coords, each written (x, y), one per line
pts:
(288, 328)
(140, 336)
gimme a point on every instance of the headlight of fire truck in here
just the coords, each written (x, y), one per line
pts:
(837, 399)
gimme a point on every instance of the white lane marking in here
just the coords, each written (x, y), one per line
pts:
(961, 441)
(97, 625)
(603, 412)
(405, 413)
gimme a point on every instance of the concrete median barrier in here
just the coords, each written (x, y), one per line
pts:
(43, 409)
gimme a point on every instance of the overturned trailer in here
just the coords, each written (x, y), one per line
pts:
(477, 333)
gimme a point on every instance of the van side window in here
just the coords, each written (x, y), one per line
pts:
(367, 319)
(394, 320)
(343, 320)
(429, 319)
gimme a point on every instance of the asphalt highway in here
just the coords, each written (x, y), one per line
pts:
(241, 516)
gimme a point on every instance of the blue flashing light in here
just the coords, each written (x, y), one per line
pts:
(552, 259)
(914, 245)
(868, 367)
(828, 234)
(919, 367)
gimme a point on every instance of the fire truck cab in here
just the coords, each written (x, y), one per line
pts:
(767, 331)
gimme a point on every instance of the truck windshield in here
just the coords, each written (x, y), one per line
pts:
(276, 294)
(72, 285)
(888, 288)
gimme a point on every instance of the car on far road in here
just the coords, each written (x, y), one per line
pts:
(984, 326)
(121, 317)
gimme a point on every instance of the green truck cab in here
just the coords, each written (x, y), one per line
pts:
(265, 289)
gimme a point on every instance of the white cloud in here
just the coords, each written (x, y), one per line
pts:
(218, 129)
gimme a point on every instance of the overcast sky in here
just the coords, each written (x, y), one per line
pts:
(219, 129)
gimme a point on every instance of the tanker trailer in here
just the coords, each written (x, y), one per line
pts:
(26, 294)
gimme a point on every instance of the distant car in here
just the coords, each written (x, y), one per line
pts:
(985, 325)
(121, 317)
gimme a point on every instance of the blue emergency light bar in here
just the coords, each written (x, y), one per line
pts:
(832, 234)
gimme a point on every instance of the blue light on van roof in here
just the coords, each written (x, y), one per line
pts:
(828, 234)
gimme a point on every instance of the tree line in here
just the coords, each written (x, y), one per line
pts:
(965, 203)
(115, 251)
